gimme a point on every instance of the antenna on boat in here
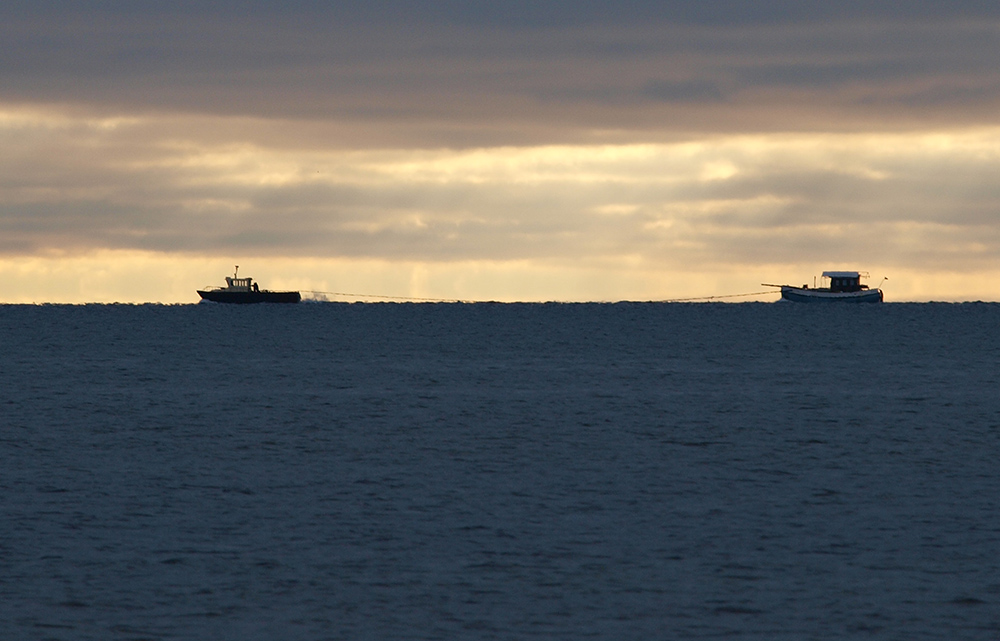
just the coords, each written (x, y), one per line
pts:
(236, 273)
(884, 278)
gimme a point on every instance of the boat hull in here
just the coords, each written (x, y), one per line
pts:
(246, 298)
(802, 295)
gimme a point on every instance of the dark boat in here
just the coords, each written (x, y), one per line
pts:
(844, 287)
(244, 291)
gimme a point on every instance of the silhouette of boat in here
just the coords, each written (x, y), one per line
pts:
(244, 291)
(843, 287)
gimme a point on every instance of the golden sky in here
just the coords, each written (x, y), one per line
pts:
(655, 152)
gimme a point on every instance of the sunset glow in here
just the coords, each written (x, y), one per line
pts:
(469, 169)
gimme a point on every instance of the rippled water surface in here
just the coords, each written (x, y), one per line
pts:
(629, 471)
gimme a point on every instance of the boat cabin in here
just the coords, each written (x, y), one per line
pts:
(241, 284)
(845, 281)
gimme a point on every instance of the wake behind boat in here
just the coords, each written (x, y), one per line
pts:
(837, 287)
(244, 291)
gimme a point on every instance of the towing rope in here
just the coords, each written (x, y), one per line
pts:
(458, 300)
(414, 298)
(685, 300)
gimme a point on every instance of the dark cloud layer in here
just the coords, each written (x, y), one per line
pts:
(470, 73)
(521, 13)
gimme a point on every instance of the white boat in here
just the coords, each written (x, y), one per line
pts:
(835, 287)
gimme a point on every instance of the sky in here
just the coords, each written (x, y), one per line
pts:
(510, 151)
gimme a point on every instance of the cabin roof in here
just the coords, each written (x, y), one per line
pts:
(841, 275)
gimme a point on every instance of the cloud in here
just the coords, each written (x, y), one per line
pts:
(84, 185)
(493, 74)
(584, 136)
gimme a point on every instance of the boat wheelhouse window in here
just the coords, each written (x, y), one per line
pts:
(238, 283)
(845, 284)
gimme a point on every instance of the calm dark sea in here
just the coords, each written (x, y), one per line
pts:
(488, 471)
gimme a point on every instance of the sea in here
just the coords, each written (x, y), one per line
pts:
(499, 471)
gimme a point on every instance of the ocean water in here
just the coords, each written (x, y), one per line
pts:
(488, 471)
